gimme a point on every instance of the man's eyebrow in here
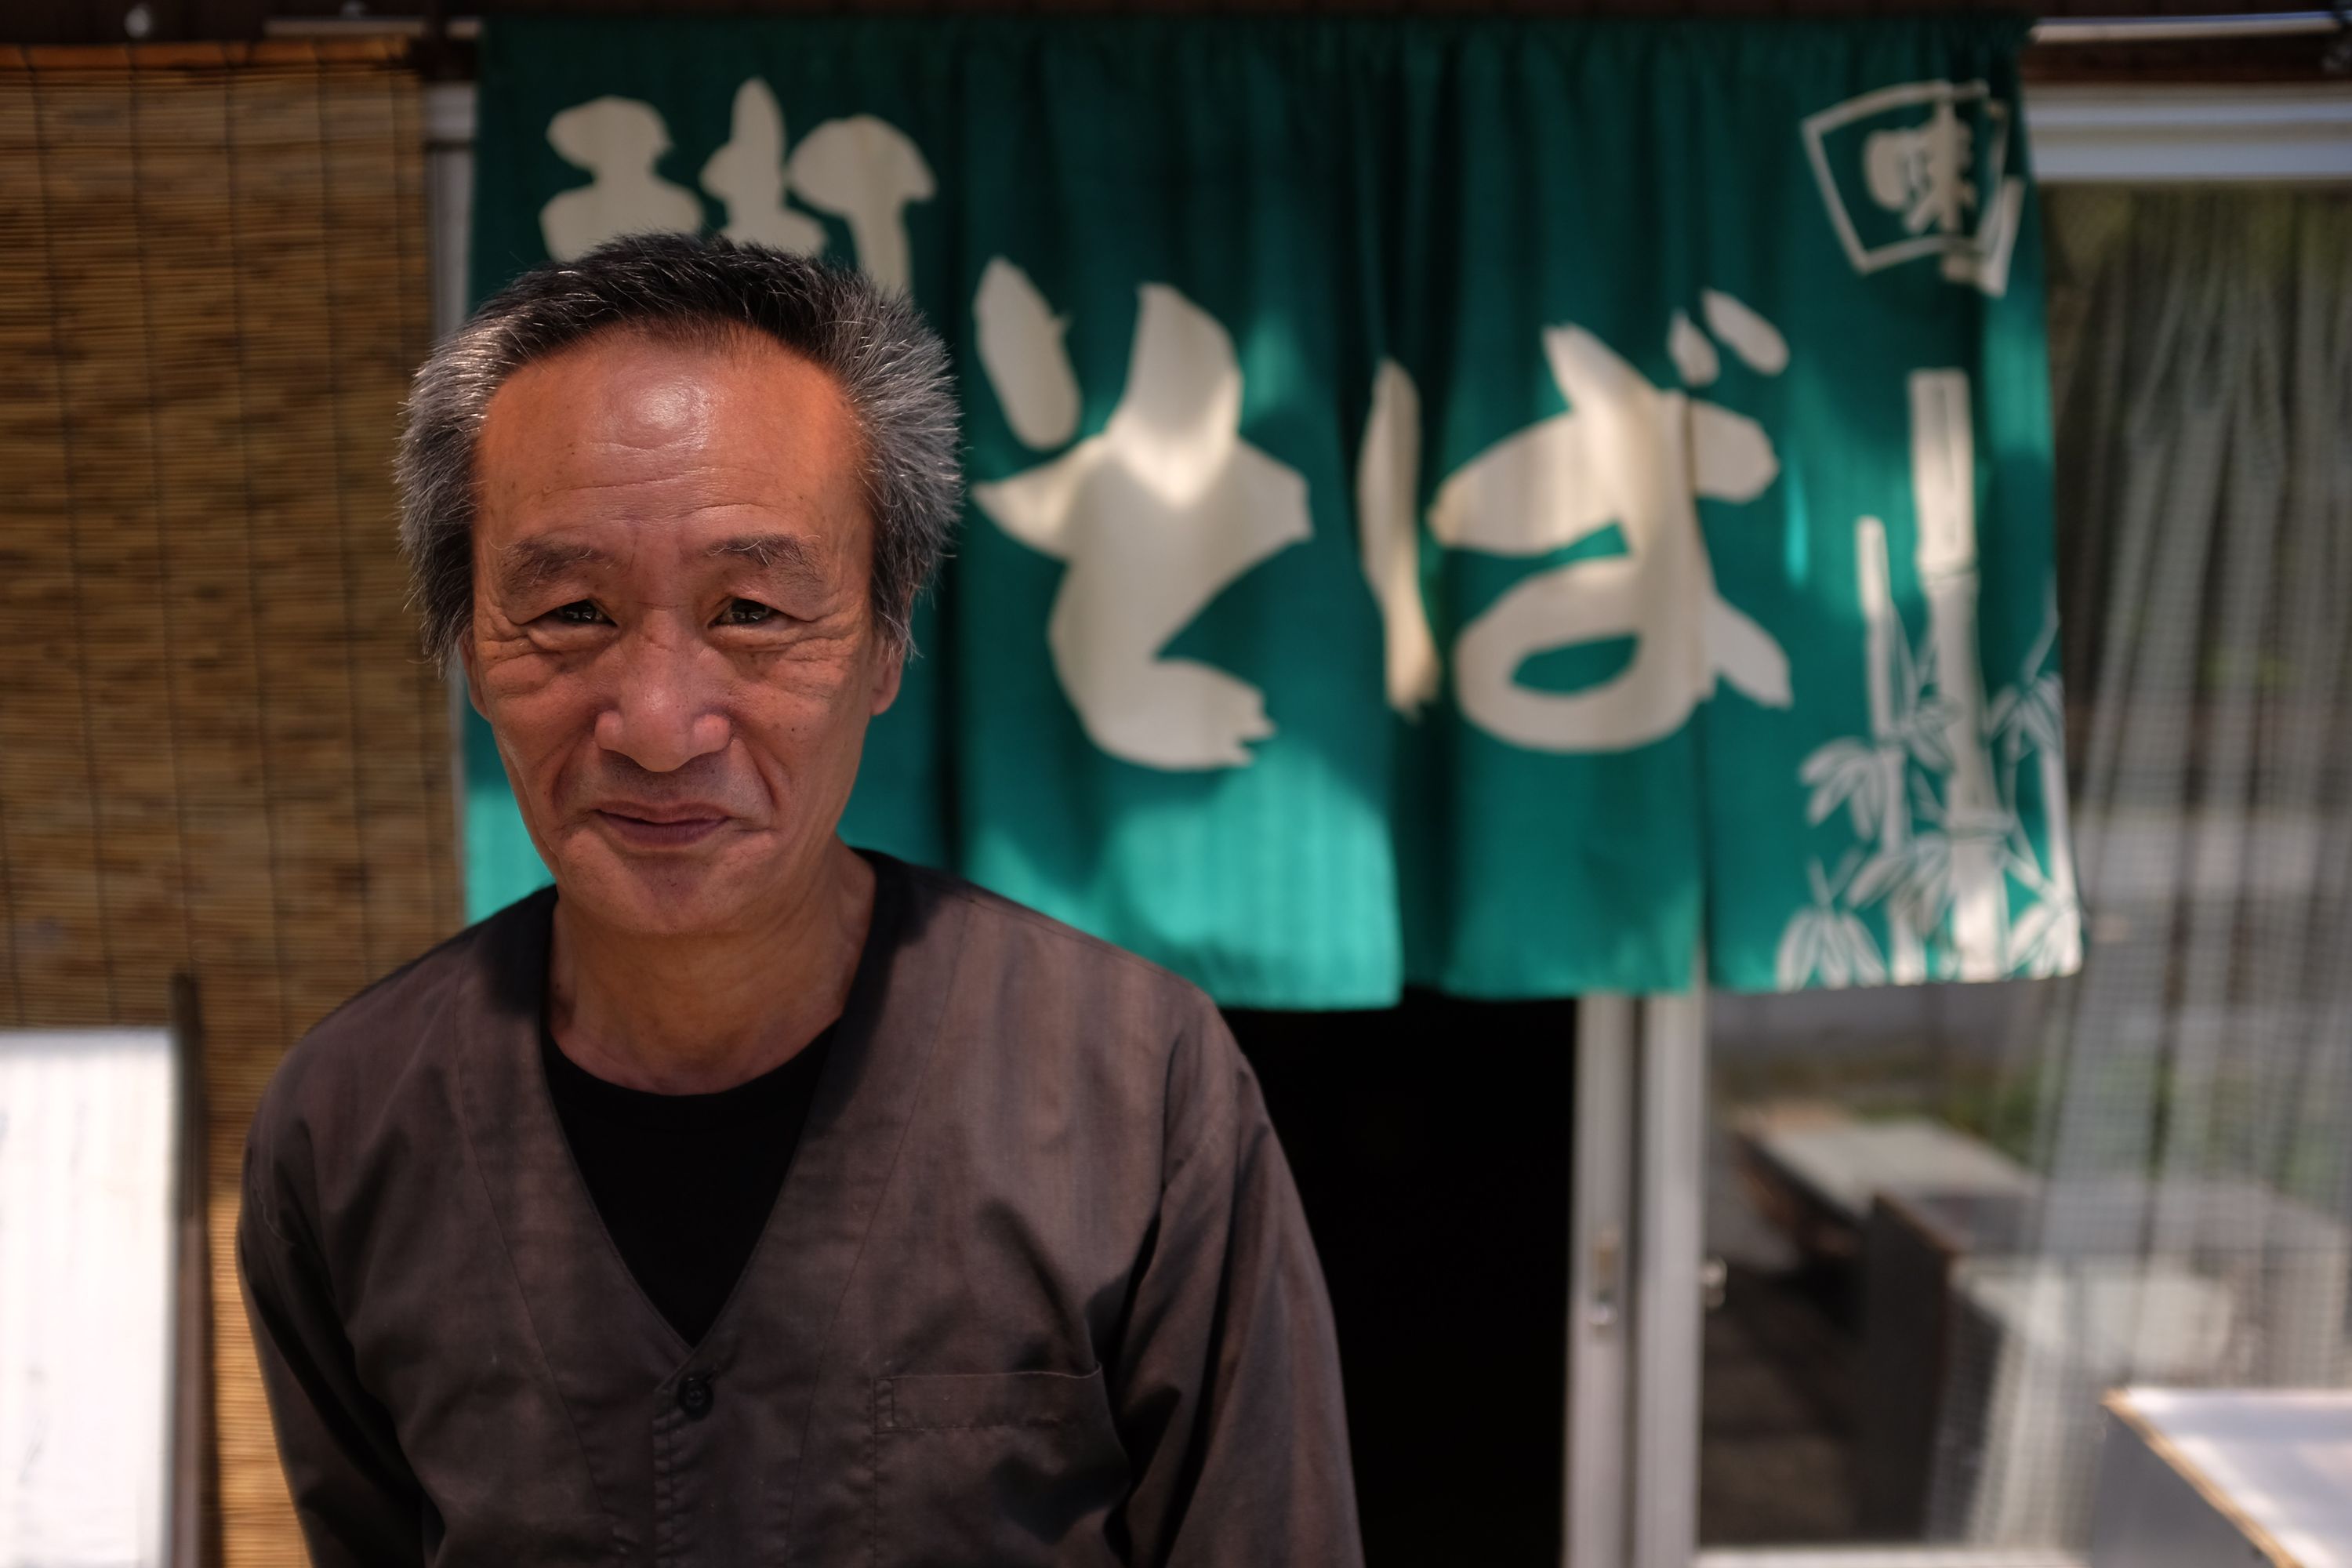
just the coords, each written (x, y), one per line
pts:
(532, 563)
(785, 553)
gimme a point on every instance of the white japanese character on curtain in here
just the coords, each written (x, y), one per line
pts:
(860, 169)
(1624, 454)
(1155, 516)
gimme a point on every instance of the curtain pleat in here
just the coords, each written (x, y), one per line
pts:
(2195, 1222)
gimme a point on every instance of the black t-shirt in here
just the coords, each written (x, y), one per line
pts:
(684, 1181)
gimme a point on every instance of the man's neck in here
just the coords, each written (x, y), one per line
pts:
(697, 1015)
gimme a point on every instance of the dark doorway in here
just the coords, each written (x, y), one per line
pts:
(1430, 1144)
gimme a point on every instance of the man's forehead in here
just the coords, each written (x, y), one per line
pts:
(733, 446)
(537, 559)
(738, 396)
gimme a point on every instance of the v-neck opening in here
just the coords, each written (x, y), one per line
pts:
(849, 1033)
(622, 1374)
(685, 1183)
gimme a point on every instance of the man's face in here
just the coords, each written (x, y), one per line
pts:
(672, 636)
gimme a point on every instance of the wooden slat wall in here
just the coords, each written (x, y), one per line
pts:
(220, 749)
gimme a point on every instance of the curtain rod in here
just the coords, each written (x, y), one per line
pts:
(2057, 33)
(2063, 31)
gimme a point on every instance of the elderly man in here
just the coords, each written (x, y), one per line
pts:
(745, 1197)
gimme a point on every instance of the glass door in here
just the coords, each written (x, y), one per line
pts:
(1871, 1177)
(1943, 1223)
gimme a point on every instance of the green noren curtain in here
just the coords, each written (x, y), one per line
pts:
(1503, 505)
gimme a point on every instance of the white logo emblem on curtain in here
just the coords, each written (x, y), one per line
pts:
(1921, 169)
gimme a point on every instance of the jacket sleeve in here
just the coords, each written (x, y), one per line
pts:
(359, 1503)
(1227, 1393)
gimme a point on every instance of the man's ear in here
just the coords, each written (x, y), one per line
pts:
(886, 689)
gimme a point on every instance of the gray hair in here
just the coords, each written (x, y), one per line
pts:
(891, 365)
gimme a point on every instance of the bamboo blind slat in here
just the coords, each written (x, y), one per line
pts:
(280, 53)
(220, 749)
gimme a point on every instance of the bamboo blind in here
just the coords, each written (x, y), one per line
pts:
(220, 750)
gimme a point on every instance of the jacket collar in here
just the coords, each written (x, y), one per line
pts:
(613, 1358)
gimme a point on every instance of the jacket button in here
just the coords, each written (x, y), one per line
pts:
(694, 1398)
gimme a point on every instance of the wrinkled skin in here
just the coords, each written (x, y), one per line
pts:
(673, 641)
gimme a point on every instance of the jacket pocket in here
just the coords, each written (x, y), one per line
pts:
(1011, 1468)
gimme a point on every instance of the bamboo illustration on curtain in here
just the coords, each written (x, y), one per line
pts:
(1495, 505)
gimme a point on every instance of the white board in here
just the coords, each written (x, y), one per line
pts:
(88, 1152)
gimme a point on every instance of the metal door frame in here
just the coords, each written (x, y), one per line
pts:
(1631, 1492)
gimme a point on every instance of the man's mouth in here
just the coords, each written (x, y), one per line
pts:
(661, 827)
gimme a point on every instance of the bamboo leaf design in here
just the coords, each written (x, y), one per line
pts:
(1879, 875)
(2040, 714)
(1997, 716)
(1902, 788)
(2046, 940)
(1845, 772)
(1928, 878)
(1926, 732)
(1793, 963)
(1923, 802)
(1862, 958)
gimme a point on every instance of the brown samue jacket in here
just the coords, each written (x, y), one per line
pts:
(1038, 1290)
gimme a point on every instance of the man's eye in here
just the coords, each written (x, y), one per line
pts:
(579, 612)
(745, 613)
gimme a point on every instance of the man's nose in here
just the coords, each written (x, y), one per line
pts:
(667, 706)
